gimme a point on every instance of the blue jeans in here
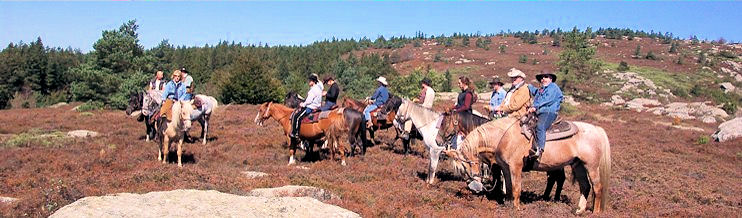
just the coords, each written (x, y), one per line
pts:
(544, 122)
(327, 106)
(367, 111)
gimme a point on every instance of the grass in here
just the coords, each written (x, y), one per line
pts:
(36, 137)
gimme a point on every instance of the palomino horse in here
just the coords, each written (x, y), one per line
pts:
(174, 129)
(465, 123)
(311, 132)
(149, 104)
(501, 142)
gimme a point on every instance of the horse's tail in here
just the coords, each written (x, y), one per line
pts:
(605, 169)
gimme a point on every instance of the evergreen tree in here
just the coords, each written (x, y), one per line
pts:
(673, 48)
(448, 79)
(251, 82)
(637, 52)
(576, 60)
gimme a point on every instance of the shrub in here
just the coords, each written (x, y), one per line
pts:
(651, 56)
(417, 44)
(623, 66)
(637, 52)
(438, 57)
(702, 140)
(36, 137)
(523, 59)
(409, 85)
(502, 49)
(90, 105)
(728, 54)
(673, 47)
(251, 82)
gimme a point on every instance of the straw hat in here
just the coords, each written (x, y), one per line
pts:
(382, 80)
(516, 73)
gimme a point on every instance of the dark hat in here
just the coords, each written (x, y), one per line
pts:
(546, 73)
(496, 81)
(328, 78)
(426, 81)
(312, 78)
(183, 70)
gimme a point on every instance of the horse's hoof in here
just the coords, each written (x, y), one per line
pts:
(180, 165)
(343, 163)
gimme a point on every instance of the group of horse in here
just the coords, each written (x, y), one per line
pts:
(175, 128)
(494, 146)
(490, 148)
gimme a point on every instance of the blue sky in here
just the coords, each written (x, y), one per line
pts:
(79, 24)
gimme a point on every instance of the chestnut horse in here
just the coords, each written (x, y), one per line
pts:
(501, 142)
(310, 132)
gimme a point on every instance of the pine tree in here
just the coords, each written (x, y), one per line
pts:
(446, 87)
(673, 48)
(637, 52)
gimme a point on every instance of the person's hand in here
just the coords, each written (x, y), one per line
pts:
(531, 110)
(324, 93)
(301, 104)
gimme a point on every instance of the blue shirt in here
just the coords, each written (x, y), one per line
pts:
(175, 91)
(497, 97)
(546, 99)
(381, 95)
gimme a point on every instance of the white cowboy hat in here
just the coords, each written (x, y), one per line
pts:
(382, 80)
(516, 73)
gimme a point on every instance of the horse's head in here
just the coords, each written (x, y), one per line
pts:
(403, 112)
(450, 124)
(466, 165)
(185, 114)
(292, 99)
(263, 113)
(135, 102)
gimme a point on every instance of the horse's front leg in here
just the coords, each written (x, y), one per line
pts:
(165, 148)
(205, 129)
(515, 177)
(435, 152)
(180, 152)
(292, 151)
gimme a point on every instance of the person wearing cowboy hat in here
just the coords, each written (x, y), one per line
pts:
(188, 82)
(380, 96)
(518, 98)
(498, 95)
(174, 91)
(311, 103)
(426, 98)
(546, 104)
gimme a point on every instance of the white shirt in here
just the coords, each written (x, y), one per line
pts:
(314, 98)
(429, 97)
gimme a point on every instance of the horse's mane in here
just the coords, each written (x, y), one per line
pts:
(426, 114)
(487, 135)
(469, 119)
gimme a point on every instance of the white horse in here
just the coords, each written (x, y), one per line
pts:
(204, 106)
(174, 129)
(427, 123)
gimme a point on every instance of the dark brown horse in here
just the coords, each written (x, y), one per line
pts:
(389, 108)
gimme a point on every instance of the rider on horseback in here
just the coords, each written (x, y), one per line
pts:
(546, 104)
(157, 83)
(426, 98)
(310, 104)
(174, 91)
(381, 95)
(466, 99)
(188, 82)
(518, 97)
(498, 95)
(331, 96)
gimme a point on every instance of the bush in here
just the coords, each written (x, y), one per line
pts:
(623, 66)
(36, 137)
(651, 56)
(523, 59)
(417, 44)
(90, 105)
(673, 48)
(438, 57)
(502, 49)
(409, 85)
(52, 98)
(637, 52)
(728, 54)
(702, 140)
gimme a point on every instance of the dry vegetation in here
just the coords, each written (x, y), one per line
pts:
(658, 170)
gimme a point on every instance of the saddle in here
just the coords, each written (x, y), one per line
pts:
(559, 129)
(315, 117)
(380, 113)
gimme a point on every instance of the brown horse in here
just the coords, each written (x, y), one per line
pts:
(390, 108)
(501, 142)
(352, 127)
(311, 131)
(174, 129)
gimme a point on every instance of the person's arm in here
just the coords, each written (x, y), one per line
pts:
(333, 92)
(532, 89)
(547, 97)
(166, 92)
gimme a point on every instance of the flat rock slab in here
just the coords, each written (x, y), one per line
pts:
(7, 199)
(729, 130)
(253, 174)
(198, 203)
(82, 134)
(294, 191)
